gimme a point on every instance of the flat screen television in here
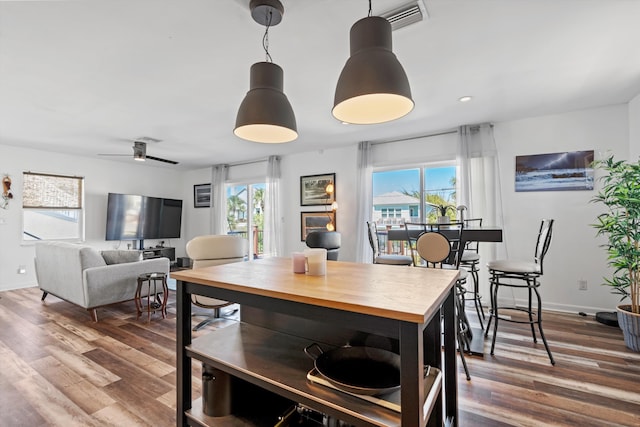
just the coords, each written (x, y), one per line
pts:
(137, 217)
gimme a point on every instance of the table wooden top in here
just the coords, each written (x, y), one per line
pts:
(403, 293)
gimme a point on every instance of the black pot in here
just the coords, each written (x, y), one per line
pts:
(361, 370)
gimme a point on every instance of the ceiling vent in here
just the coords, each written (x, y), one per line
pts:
(407, 14)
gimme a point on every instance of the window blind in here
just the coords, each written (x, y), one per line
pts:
(46, 191)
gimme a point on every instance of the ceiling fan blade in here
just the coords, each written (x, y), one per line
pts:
(109, 154)
(158, 159)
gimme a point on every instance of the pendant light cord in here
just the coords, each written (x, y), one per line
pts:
(369, 8)
(265, 39)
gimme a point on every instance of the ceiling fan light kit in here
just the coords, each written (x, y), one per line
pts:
(265, 114)
(139, 151)
(372, 87)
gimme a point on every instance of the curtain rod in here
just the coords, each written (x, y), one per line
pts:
(248, 162)
(415, 137)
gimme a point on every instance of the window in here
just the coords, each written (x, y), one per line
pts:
(401, 195)
(53, 207)
(245, 211)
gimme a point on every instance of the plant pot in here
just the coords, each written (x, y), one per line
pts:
(443, 220)
(630, 324)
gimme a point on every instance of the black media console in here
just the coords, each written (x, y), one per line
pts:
(165, 252)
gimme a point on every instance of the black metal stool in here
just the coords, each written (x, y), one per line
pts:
(524, 271)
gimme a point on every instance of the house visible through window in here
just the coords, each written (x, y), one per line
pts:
(402, 195)
(53, 207)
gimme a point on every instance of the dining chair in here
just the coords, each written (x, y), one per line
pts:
(470, 259)
(388, 259)
(209, 250)
(523, 274)
(414, 230)
(435, 249)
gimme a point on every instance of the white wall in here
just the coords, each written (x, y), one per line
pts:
(574, 253)
(342, 162)
(634, 129)
(101, 177)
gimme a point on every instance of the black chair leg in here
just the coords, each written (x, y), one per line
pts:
(531, 320)
(494, 314)
(539, 321)
(44, 295)
(476, 297)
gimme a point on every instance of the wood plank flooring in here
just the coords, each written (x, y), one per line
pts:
(58, 368)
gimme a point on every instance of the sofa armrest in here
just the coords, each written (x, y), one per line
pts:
(117, 282)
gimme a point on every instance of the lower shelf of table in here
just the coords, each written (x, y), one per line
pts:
(276, 362)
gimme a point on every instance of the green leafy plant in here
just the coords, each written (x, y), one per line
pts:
(620, 193)
(442, 209)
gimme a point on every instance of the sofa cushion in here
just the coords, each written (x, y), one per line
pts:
(121, 256)
(90, 257)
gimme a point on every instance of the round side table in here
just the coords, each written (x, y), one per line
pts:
(153, 300)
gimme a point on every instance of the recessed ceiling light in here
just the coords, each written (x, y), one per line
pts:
(465, 98)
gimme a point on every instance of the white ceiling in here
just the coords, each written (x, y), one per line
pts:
(89, 76)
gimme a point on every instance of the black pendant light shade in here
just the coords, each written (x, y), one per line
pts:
(373, 87)
(265, 114)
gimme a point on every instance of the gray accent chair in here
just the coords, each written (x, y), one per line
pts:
(89, 278)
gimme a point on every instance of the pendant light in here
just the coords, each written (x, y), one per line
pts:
(265, 114)
(373, 87)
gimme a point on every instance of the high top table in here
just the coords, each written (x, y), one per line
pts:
(485, 233)
(400, 302)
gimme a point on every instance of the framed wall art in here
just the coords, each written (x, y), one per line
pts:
(315, 221)
(313, 189)
(555, 171)
(202, 196)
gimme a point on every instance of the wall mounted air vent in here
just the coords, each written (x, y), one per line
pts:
(407, 14)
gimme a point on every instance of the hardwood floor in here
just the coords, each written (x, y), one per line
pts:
(58, 368)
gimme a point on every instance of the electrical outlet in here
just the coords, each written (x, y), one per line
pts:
(582, 285)
(22, 269)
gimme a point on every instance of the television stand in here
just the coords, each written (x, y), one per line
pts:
(165, 251)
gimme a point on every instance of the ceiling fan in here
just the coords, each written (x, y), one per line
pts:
(140, 151)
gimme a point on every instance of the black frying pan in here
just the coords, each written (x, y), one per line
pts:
(361, 370)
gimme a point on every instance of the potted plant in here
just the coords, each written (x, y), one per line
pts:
(443, 218)
(620, 193)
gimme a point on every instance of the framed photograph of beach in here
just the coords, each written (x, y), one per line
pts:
(315, 221)
(565, 171)
(202, 195)
(313, 189)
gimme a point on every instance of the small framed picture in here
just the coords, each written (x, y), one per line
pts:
(313, 189)
(315, 221)
(202, 196)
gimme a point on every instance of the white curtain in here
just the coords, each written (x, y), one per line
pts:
(273, 245)
(219, 199)
(478, 187)
(364, 190)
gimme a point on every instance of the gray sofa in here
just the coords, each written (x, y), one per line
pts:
(89, 278)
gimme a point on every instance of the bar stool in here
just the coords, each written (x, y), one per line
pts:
(436, 249)
(153, 304)
(528, 272)
(471, 260)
